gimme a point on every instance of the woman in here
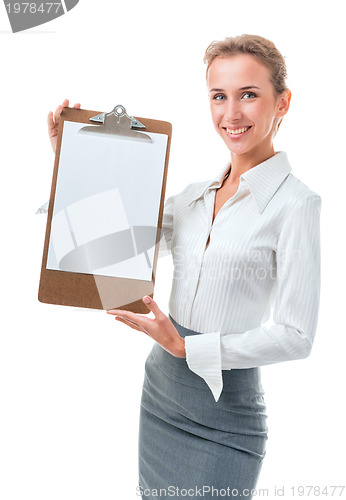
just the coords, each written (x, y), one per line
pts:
(241, 243)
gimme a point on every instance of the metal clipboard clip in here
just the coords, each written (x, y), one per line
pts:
(116, 123)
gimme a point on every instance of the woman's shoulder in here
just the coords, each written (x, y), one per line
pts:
(296, 198)
(296, 191)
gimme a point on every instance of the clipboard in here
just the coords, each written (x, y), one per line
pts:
(105, 210)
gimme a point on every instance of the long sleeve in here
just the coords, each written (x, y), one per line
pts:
(167, 227)
(295, 309)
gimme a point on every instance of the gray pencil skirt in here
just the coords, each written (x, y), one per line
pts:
(192, 446)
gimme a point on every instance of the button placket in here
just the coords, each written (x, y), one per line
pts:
(208, 206)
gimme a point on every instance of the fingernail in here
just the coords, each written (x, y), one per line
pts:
(147, 299)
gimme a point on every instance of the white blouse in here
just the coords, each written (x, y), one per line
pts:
(262, 263)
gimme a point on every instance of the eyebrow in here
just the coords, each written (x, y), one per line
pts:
(248, 87)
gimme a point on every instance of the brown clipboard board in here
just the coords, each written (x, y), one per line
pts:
(90, 290)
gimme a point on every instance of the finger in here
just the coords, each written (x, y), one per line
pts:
(142, 321)
(57, 114)
(128, 323)
(59, 109)
(125, 314)
(77, 106)
(151, 304)
(132, 324)
(50, 120)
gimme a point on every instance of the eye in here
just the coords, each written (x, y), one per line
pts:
(219, 97)
(249, 95)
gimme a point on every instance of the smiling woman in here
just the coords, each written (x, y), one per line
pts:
(246, 116)
(263, 50)
(244, 245)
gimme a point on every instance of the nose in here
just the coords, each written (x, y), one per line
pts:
(233, 111)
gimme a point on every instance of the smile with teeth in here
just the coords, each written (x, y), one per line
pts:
(237, 131)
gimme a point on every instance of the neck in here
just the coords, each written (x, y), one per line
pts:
(242, 163)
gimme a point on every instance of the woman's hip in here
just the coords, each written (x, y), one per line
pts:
(173, 392)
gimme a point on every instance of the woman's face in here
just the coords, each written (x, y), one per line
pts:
(244, 104)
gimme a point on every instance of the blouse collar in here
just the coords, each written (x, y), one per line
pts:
(263, 180)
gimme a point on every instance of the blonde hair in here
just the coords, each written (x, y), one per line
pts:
(262, 49)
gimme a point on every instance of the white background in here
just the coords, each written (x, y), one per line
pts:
(70, 380)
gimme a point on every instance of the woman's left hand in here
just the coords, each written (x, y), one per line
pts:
(160, 328)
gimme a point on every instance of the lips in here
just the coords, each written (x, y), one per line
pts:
(237, 131)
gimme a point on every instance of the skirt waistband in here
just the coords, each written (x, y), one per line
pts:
(177, 369)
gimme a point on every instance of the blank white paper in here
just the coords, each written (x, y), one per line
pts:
(106, 204)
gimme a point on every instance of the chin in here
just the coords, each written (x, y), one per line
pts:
(239, 149)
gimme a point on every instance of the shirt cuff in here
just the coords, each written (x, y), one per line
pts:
(203, 357)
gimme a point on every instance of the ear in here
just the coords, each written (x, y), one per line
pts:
(284, 101)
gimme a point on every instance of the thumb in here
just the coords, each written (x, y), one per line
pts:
(151, 304)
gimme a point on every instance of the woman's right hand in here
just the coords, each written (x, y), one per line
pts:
(53, 122)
